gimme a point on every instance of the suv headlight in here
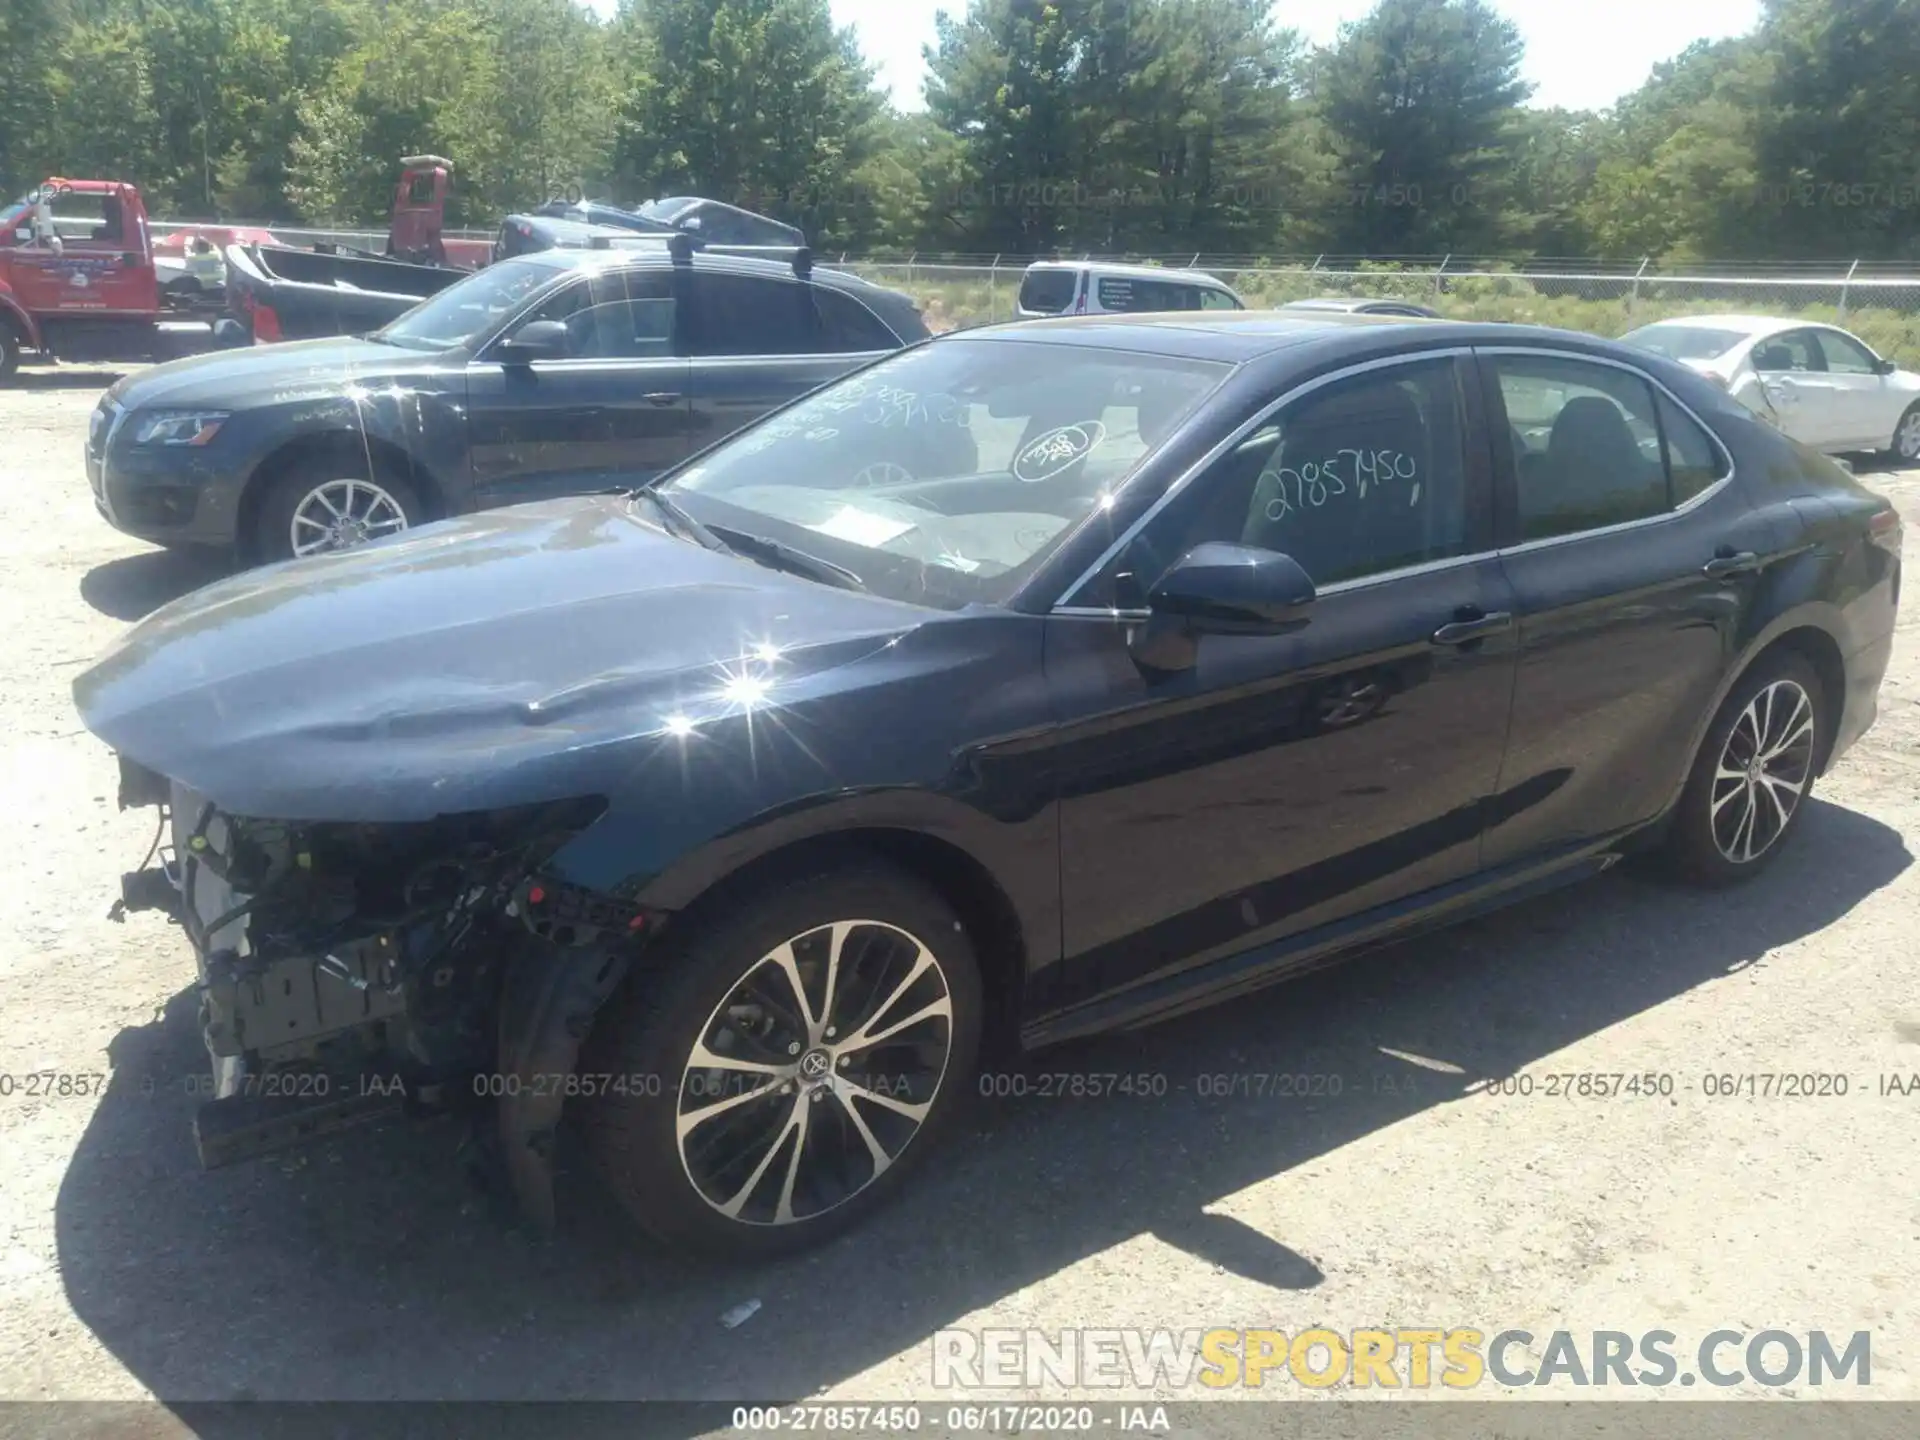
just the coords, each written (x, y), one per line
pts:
(179, 427)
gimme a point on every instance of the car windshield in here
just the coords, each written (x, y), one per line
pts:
(1684, 342)
(664, 210)
(946, 474)
(467, 309)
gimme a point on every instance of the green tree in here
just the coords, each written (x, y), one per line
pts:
(1119, 124)
(1677, 178)
(29, 32)
(1836, 125)
(758, 102)
(93, 131)
(399, 91)
(1420, 103)
(1556, 154)
(535, 111)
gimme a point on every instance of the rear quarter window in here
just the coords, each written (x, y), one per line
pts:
(1694, 462)
(1047, 292)
(846, 325)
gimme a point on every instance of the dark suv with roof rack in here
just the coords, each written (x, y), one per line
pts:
(561, 372)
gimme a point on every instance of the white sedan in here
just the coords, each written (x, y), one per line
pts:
(1822, 386)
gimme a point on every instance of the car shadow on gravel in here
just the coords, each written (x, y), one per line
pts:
(134, 586)
(368, 1268)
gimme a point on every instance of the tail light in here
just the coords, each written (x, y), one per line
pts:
(266, 324)
(1884, 529)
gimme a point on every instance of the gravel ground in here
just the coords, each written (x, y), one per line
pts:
(368, 1268)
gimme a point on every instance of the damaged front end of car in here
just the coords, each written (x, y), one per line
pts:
(349, 971)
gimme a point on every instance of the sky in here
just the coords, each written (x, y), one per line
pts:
(1582, 54)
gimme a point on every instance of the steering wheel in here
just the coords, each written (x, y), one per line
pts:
(881, 472)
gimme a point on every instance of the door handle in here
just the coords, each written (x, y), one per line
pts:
(661, 397)
(1465, 631)
(1726, 563)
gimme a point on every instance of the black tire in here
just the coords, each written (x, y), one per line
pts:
(1703, 843)
(1896, 448)
(9, 351)
(652, 1027)
(288, 490)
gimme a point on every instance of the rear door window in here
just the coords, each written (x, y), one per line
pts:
(1586, 444)
(750, 315)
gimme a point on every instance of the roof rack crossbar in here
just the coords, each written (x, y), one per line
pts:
(800, 257)
(681, 246)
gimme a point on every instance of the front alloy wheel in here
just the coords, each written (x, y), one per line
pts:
(1763, 771)
(790, 1054)
(343, 514)
(815, 1072)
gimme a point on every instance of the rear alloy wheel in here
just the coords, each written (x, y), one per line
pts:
(317, 510)
(807, 1050)
(1906, 437)
(1751, 776)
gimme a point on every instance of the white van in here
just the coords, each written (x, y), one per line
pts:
(1092, 287)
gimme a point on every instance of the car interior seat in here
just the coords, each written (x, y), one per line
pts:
(1592, 458)
(1347, 533)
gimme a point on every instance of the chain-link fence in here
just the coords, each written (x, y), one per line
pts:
(1883, 308)
(1878, 301)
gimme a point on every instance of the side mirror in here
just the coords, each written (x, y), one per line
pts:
(535, 340)
(1884, 367)
(1220, 589)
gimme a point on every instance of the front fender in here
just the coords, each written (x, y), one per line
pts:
(423, 431)
(1018, 849)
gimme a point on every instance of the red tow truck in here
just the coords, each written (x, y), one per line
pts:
(78, 282)
(419, 210)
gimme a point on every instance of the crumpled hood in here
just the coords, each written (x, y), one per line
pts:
(478, 662)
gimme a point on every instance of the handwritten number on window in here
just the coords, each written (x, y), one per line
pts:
(1313, 484)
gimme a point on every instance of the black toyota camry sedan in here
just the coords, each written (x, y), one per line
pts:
(1032, 682)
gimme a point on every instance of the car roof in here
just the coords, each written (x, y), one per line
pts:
(1240, 335)
(1132, 272)
(1348, 302)
(633, 256)
(1751, 325)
